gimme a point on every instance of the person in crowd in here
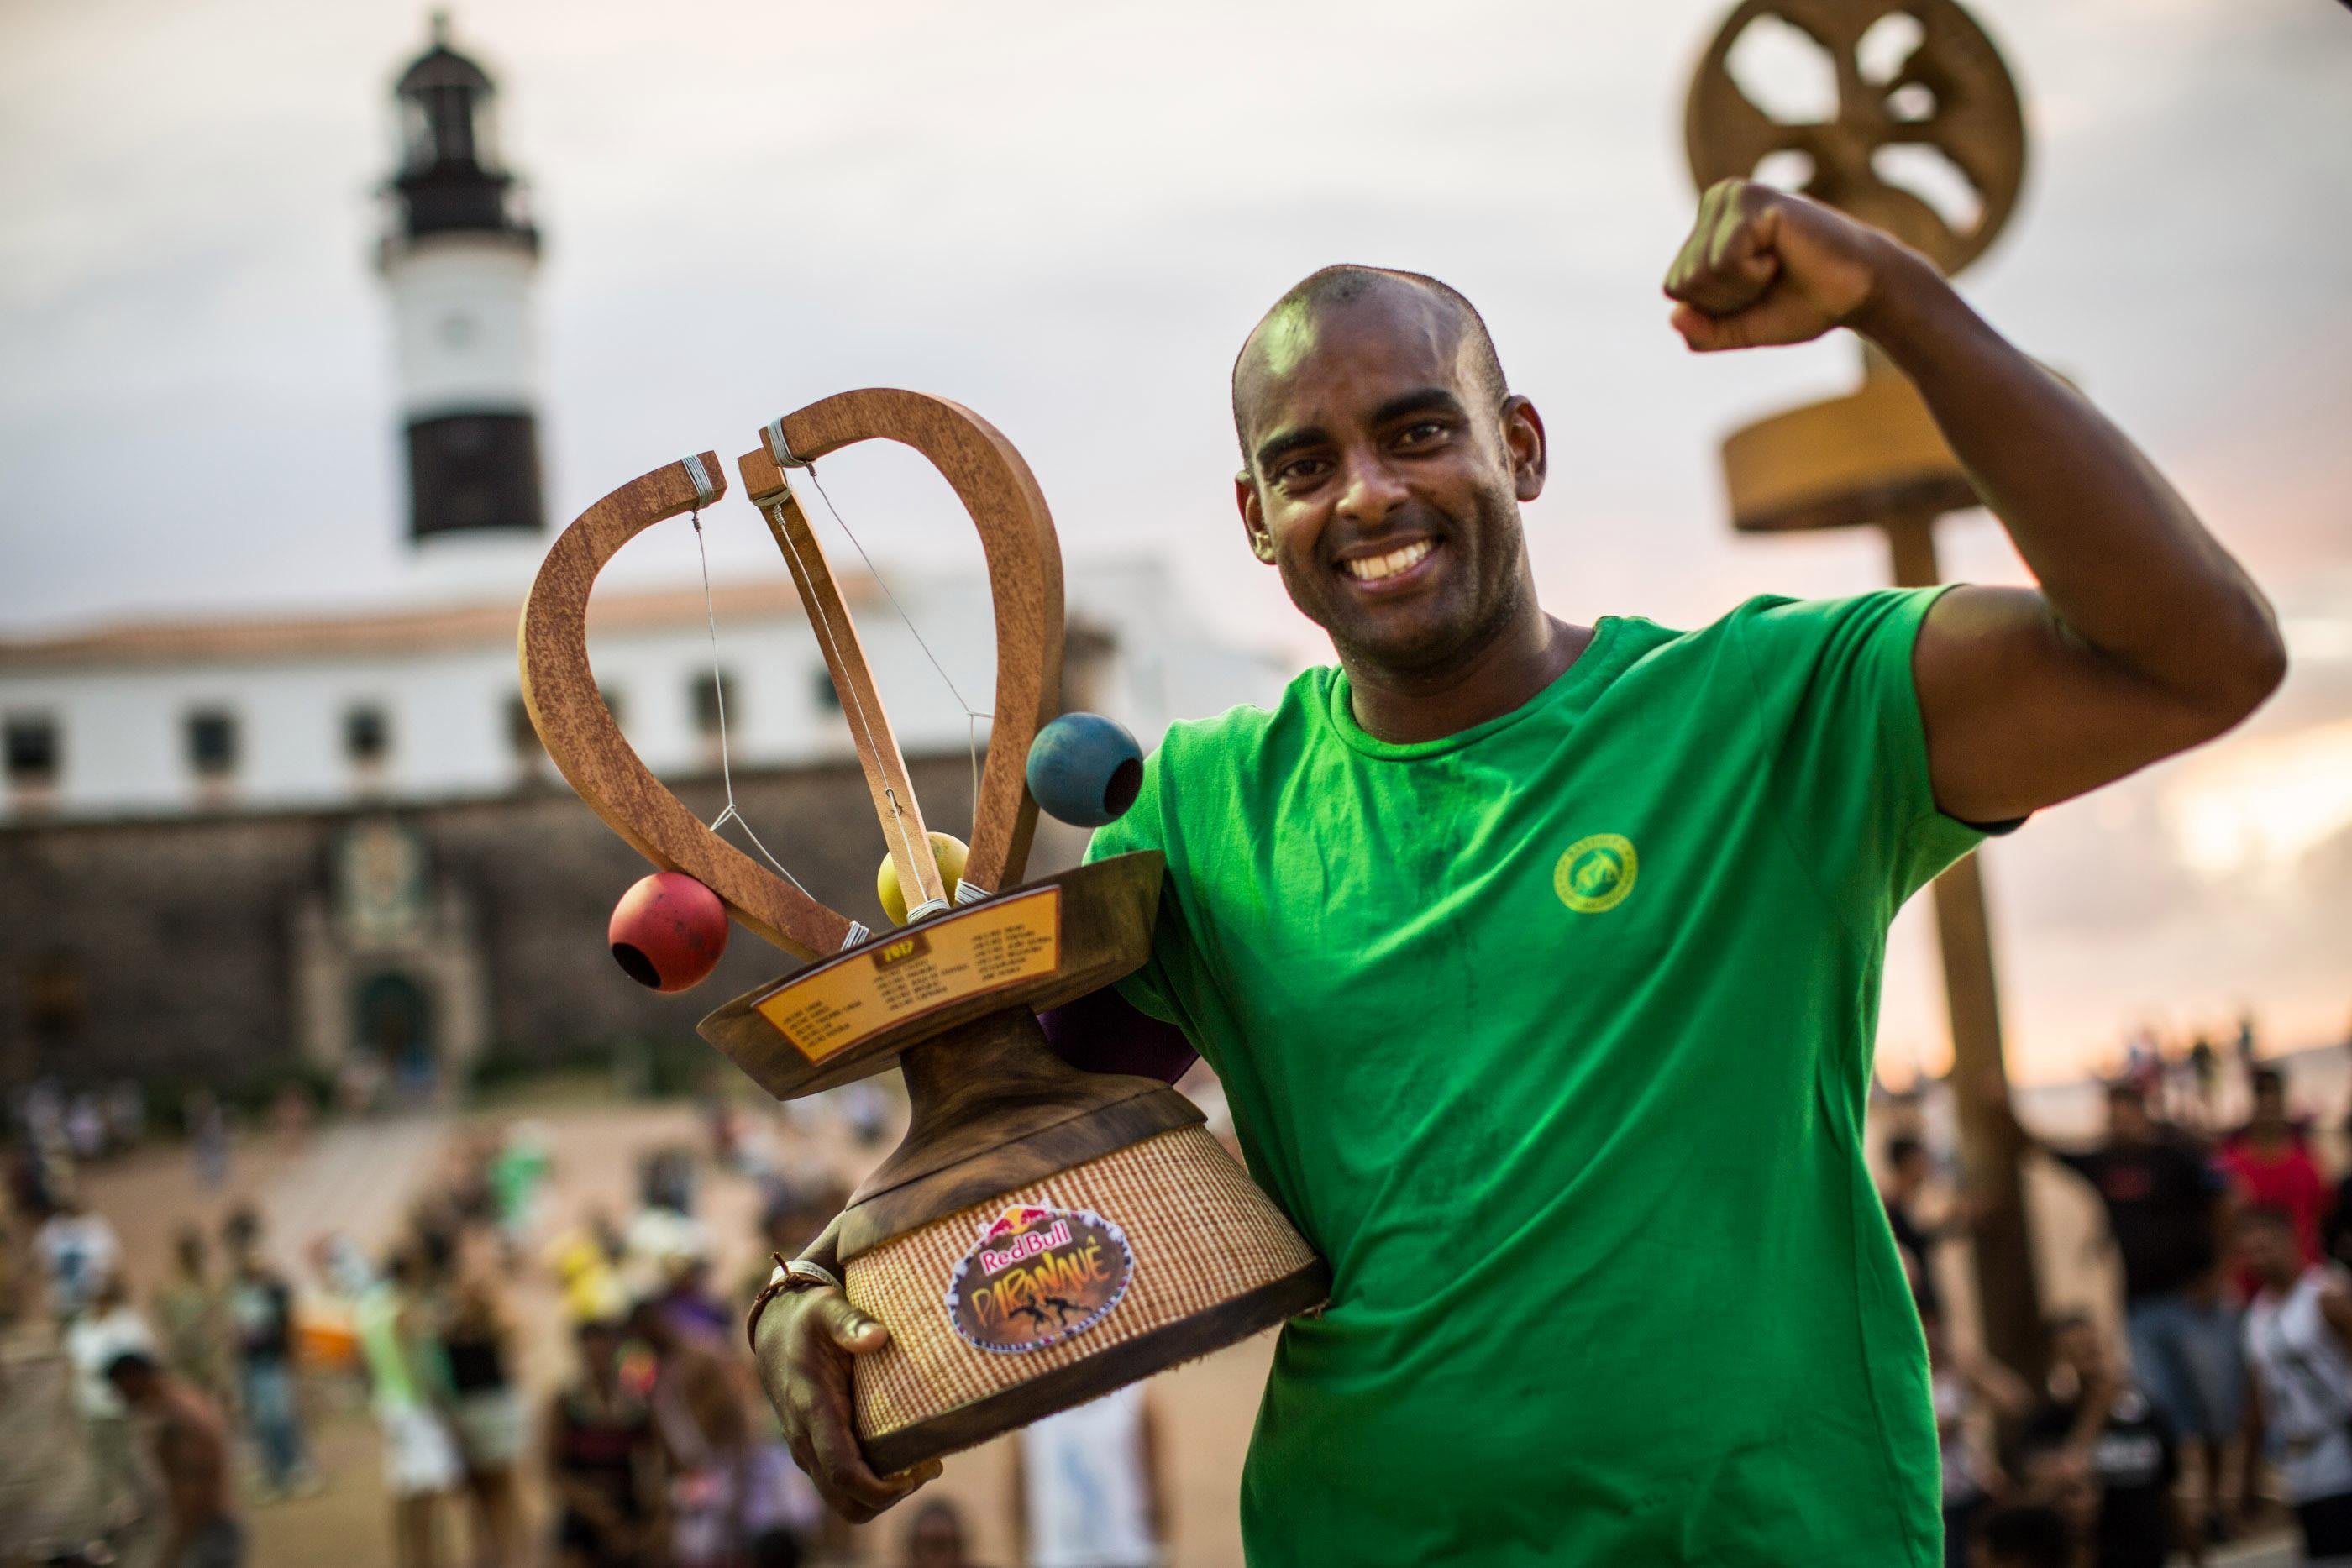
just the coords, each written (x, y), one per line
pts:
(2050, 1531)
(191, 1318)
(1964, 1387)
(2205, 1068)
(108, 1326)
(516, 1174)
(2270, 1164)
(2298, 1339)
(421, 1464)
(78, 1251)
(2094, 1422)
(486, 1409)
(126, 1115)
(1908, 1172)
(2335, 1234)
(261, 1319)
(936, 1537)
(603, 1462)
(190, 1443)
(207, 1126)
(2166, 1206)
(1088, 1491)
(702, 1412)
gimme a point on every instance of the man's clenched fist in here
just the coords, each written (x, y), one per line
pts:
(1762, 267)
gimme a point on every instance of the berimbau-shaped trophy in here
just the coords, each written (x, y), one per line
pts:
(1042, 1235)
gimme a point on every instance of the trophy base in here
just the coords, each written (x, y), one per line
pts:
(1166, 1251)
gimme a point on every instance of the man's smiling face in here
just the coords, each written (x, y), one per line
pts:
(1386, 466)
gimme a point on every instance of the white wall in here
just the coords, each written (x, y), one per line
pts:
(122, 727)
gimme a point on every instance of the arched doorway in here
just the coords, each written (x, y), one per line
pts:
(394, 1025)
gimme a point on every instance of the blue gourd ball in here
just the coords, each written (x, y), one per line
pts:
(1084, 769)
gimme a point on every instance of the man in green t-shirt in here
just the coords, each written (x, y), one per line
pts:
(1540, 962)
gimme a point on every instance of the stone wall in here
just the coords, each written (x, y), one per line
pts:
(168, 949)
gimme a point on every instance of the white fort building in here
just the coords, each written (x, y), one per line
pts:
(185, 802)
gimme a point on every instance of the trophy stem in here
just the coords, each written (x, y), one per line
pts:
(995, 1110)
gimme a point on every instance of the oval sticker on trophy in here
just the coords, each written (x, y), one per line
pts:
(1036, 1276)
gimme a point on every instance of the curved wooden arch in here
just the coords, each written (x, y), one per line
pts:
(1025, 575)
(560, 692)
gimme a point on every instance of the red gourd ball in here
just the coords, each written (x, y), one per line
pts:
(668, 930)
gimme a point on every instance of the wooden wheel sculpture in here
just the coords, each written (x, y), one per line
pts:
(1951, 93)
(1042, 1235)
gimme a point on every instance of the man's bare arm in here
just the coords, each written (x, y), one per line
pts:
(2145, 636)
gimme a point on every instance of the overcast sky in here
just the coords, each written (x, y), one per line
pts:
(1067, 215)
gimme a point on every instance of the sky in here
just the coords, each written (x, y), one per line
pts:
(1067, 215)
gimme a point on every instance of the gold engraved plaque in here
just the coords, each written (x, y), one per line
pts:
(968, 953)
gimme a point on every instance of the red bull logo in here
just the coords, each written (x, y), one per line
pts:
(1015, 1220)
(1036, 1276)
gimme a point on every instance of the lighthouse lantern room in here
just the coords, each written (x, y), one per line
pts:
(459, 258)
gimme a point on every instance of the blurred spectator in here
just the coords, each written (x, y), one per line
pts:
(517, 1173)
(421, 1464)
(723, 1499)
(2205, 1068)
(2097, 1424)
(935, 1537)
(79, 1252)
(1962, 1386)
(193, 1318)
(107, 1327)
(2270, 1164)
(1908, 1174)
(2029, 1535)
(486, 1410)
(191, 1449)
(207, 1126)
(2164, 1204)
(85, 1127)
(2336, 1235)
(1086, 1486)
(2299, 1342)
(292, 1112)
(262, 1317)
(603, 1462)
(126, 1115)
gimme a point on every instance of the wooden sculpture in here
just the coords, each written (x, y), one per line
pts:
(1042, 1235)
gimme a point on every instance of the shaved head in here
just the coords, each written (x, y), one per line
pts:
(1288, 332)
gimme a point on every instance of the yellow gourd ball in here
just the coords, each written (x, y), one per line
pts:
(947, 849)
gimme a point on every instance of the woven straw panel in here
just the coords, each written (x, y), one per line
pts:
(1201, 1232)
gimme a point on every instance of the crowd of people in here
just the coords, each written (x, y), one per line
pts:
(2229, 1388)
(196, 1384)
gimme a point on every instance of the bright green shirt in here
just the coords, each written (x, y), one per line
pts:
(1554, 1036)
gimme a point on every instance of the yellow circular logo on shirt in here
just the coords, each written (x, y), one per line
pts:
(1596, 874)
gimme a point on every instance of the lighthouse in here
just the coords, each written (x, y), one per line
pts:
(458, 258)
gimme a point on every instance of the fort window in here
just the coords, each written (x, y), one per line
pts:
(212, 743)
(32, 746)
(367, 735)
(710, 696)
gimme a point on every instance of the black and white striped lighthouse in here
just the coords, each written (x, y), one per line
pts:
(459, 259)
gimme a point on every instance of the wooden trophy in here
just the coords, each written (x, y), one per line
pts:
(1042, 1235)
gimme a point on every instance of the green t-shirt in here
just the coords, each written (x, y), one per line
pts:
(1554, 1038)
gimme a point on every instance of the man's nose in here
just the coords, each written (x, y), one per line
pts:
(1372, 490)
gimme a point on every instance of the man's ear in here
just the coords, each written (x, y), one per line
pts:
(1524, 439)
(1245, 497)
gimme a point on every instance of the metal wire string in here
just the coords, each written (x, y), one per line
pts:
(718, 694)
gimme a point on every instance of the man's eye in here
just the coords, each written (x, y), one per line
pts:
(1428, 430)
(1300, 469)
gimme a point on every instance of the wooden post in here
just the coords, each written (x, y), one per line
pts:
(2009, 1301)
